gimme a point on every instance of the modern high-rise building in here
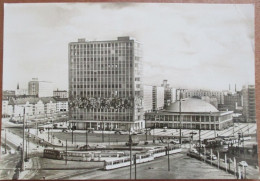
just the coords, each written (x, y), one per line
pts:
(148, 98)
(169, 93)
(158, 98)
(40, 88)
(105, 84)
(249, 109)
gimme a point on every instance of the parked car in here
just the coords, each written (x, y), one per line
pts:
(243, 163)
(214, 157)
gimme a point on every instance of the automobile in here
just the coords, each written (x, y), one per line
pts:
(194, 151)
(134, 133)
(100, 146)
(229, 160)
(41, 141)
(118, 132)
(12, 152)
(243, 163)
(133, 144)
(214, 157)
(30, 136)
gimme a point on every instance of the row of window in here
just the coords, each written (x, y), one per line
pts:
(129, 52)
(97, 58)
(94, 45)
(106, 79)
(101, 93)
(102, 86)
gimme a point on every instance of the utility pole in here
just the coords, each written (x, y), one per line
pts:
(48, 134)
(180, 117)
(168, 156)
(5, 141)
(86, 139)
(199, 142)
(66, 153)
(26, 143)
(153, 133)
(135, 166)
(72, 135)
(22, 169)
(103, 132)
(130, 145)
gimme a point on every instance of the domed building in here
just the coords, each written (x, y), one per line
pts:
(190, 113)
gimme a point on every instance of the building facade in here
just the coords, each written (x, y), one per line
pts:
(61, 104)
(35, 107)
(194, 114)
(158, 98)
(169, 93)
(249, 108)
(40, 88)
(105, 84)
(200, 92)
(60, 93)
(148, 98)
(233, 101)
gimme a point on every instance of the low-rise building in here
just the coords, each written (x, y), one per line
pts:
(191, 113)
(60, 93)
(61, 104)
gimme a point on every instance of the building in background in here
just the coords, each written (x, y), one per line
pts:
(61, 104)
(148, 98)
(233, 101)
(212, 100)
(105, 84)
(158, 98)
(200, 93)
(248, 104)
(6, 94)
(40, 88)
(20, 92)
(34, 107)
(5, 107)
(195, 114)
(60, 93)
(169, 93)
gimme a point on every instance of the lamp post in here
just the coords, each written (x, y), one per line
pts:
(22, 165)
(103, 131)
(130, 147)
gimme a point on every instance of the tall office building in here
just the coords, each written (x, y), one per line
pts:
(105, 84)
(158, 98)
(249, 109)
(40, 88)
(169, 93)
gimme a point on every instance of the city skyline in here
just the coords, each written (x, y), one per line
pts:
(46, 29)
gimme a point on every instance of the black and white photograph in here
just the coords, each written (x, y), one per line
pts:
(124, 90)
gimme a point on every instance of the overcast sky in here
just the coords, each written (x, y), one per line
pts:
(192, 45)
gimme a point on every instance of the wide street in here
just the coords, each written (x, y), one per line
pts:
(181, 165)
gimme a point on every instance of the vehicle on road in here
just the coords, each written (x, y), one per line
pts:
(243, 163)
(213, 157)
